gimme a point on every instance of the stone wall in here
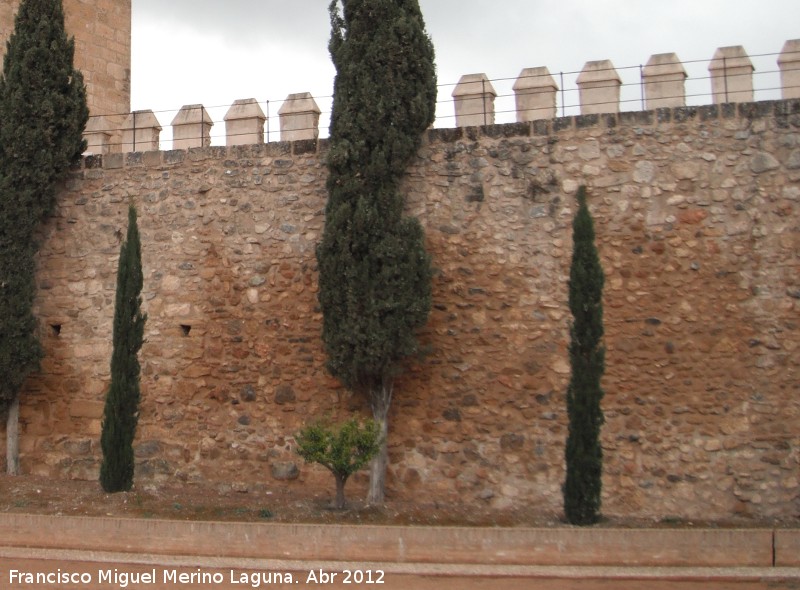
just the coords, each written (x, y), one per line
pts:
(696, 210)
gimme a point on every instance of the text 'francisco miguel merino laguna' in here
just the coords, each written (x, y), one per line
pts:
(253, 579)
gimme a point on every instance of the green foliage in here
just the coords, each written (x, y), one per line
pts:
(343, 449)
(42, 116)
(42, 108)
(374, 271)
(584, 455)
(121, 413)
(19, 348)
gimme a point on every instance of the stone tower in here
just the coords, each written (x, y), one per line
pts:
(102, 31)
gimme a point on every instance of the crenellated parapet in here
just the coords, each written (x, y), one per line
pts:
(730, 72)
(537, 94)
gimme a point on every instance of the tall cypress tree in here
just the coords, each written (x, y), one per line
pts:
(121, 413)
(374, 271)
(42, 116)
(584, 455)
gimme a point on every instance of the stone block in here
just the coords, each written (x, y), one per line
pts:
(474, 101)
(599, 87)
(86, 409)
(191, 127)
(787, 548)
(535, 91)
(299, 117)
(731, 75)
(285, 471)
(97, 134)
(113, 161)
(141, 132)
(664, 81)
(789, 64)
(284, 394)
(244, 123)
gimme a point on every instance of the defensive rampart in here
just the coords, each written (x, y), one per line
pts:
(696, 211)
(730, 77)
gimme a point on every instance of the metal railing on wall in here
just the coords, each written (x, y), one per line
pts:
(495, 100)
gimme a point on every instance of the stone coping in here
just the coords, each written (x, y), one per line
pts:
(760, 548)
(779, 109)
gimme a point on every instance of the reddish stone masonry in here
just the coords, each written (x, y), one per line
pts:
(696, 210)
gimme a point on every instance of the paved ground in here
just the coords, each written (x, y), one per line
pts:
(96, 570)
(91, 553)
(102, 575)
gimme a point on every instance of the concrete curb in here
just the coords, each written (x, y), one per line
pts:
(108, 559)
(627, 548)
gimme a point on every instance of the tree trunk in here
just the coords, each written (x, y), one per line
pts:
(340, 481)
(381, 400)
(12, 438)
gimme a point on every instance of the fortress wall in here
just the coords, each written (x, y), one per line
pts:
(599, 88)
(696, 211)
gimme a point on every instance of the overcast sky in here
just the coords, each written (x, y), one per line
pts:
(213, 52)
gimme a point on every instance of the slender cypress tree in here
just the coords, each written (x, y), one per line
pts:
(42, 116)
(584, 455)
(374, 271)
(121, 413)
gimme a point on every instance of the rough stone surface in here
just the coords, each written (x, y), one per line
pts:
(285, 471)
(700, 249)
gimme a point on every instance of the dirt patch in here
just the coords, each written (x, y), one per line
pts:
(37, 495)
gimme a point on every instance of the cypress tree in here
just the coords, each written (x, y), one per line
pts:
(584, 455)
(121, 413)
(42, 116)
(374, 271)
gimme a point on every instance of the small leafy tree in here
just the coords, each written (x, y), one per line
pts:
(42, 116)
(584, 455)
(342, 449)
(121, 413)
(374, 272)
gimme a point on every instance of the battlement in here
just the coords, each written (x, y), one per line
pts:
(780, 110)
(536, 93)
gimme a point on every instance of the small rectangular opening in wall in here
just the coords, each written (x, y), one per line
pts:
(185, 329)
(55, 329)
